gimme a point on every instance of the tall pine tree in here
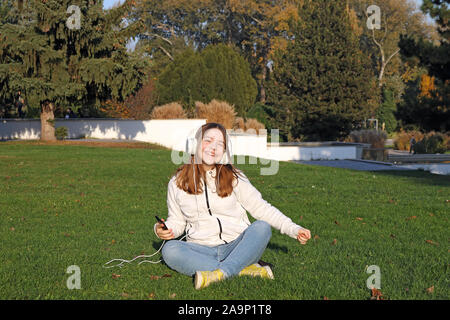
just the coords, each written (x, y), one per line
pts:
(321, 83)
(66, 53)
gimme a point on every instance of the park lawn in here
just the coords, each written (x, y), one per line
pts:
(64, 205)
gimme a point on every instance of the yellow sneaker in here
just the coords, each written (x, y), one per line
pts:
(205, 278)
(255, 270)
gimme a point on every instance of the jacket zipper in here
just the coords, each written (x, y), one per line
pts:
(209, 210)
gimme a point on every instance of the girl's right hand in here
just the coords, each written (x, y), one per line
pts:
(163, 234)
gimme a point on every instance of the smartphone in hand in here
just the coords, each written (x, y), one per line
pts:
(161, 222)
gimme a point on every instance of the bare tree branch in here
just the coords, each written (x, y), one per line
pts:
(392, 55)
(166, 52)
(158, 36)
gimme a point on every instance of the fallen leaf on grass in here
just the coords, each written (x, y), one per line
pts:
(152, 277)
(430, 290)
(316, 237)
(411, 218)
(334, 242)
(115, 276)
(151, 295)
(432, 242)
(376, 294)
(173, 295)
(12, 229)
(335, 221)
(358, 218)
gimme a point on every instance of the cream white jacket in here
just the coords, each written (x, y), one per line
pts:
(227, 217)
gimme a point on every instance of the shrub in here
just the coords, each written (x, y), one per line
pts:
(239, 123)
(376, 140)
(254, 124)
(433, 142)
(216, 72)
(135, 106)
(374, 137)
(216, 111)
(172, 110)
(115, 109)
(141, 103)
(401, 142)
(263, 113)
(61, 133)
(447, 141)
(249, 124)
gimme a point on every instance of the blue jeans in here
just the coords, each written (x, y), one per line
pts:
(231, 258)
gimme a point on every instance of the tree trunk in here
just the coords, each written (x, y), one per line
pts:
(262, 89)
(47, 128)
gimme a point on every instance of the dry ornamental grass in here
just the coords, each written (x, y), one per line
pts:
(216, 111)
(172, 110)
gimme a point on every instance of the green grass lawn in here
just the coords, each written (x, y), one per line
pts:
(80, 205)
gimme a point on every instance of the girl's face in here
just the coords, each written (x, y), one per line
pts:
(213, 146)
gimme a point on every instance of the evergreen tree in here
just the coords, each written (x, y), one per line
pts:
(67, 58)
(321, 83)
(386, 112)
(217, 72)
(5, 7)
(433, 112)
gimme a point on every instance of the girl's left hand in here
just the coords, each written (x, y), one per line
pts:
(303, 235)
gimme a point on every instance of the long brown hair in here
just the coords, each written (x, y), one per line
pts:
(225, 173)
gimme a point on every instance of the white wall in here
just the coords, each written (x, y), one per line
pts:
(163, 132)
(20, 129)
(173, 133)
(286, 153)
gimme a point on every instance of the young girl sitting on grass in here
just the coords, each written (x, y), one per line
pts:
(208, 199)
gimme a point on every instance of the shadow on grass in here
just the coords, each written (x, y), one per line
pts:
(276, 247)
(157, 244)
(418, 176)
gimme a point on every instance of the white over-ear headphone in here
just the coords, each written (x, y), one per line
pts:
(193, 141)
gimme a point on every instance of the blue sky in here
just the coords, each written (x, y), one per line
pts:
(109, 3)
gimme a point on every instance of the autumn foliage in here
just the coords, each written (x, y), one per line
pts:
(427, 85)
(137, 106)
